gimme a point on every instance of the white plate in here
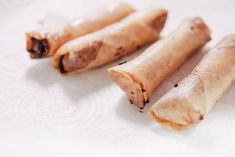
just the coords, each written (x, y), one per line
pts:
(43, 113)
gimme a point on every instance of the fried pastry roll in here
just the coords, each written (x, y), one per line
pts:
(139, 77)
(112, 42)
(187, 104)
(44, 43)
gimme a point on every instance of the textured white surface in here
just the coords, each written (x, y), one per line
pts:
(45, 114)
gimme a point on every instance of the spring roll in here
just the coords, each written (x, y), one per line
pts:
(112, 42)
(44, 43)
(186, 105)
(139, 77)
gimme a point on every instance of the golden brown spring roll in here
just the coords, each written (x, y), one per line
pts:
(139, 77)
(110, 43)
(187, 104)
(44, 43)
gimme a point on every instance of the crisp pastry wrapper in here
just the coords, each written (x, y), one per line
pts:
(140, 77)
(45, 42)
(111, 43)
(188, 103)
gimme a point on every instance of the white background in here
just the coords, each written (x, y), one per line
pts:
(43, 113)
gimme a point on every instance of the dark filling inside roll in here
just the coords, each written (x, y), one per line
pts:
(39, 48)
(61, 65)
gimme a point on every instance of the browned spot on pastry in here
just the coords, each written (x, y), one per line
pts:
(143, 90)
(201, 117)
(131, 101)
(117, 54)
(176, 85)
(146, 101)
(119, 51)
(138, 47)
(132, 93)
(192, 28)
(120, 48)
(39, 48)
(122, 63)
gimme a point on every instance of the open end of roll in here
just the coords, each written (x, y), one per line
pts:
(38, 48)
(131, 86)
(61, 65)
(199, 23)
(168, 123)
(175, 116)
(73, 62)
